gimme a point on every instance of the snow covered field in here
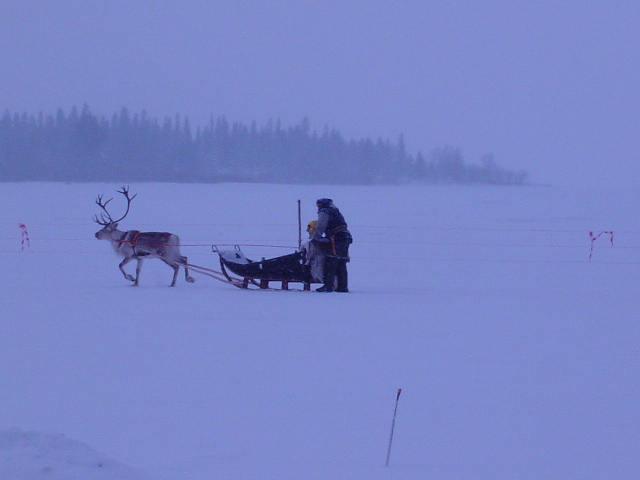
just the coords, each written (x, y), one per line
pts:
(518, 358)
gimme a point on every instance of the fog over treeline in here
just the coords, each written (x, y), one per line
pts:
(80, 146)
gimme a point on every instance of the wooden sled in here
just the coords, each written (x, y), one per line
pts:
(246, 273)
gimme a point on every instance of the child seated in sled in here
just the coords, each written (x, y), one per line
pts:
(314, 255)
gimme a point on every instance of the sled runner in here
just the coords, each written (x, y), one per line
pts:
(243, 272)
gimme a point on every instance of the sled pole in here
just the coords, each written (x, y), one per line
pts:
(393, 426)
(299, 228)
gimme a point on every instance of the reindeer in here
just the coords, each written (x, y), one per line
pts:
(138, 245)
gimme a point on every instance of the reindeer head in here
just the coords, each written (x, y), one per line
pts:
(109, 225)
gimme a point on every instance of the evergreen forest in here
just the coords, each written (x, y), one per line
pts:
(79, 146)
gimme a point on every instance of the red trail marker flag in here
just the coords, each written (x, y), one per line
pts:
(25, 236)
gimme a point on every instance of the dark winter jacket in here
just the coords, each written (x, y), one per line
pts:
(332, 224)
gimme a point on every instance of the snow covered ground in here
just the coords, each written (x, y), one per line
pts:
(518, 358)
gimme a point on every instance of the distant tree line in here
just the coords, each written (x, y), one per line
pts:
(79, 146)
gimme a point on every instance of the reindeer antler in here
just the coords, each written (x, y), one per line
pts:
(125, 191)
(105, 218)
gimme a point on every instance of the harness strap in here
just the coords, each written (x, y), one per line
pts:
(122, 239)
(131, 241)
(135, 237)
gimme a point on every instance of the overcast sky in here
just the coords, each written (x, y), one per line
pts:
(551, 87)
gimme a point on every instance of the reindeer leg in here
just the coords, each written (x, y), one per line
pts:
(126, 275)
(176, 269)
(186, 271)
(138, 268)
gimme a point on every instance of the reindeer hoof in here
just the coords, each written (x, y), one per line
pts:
(191, 279)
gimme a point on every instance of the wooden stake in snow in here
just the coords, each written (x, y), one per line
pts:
(299, 227)
(393, 425)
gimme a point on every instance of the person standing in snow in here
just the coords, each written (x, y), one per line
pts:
(332, 229)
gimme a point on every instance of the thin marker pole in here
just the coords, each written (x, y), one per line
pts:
(299, 228)
(393, 425)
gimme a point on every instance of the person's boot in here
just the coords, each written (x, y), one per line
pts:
(324, 288)
(343, 278)
(330, 266)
